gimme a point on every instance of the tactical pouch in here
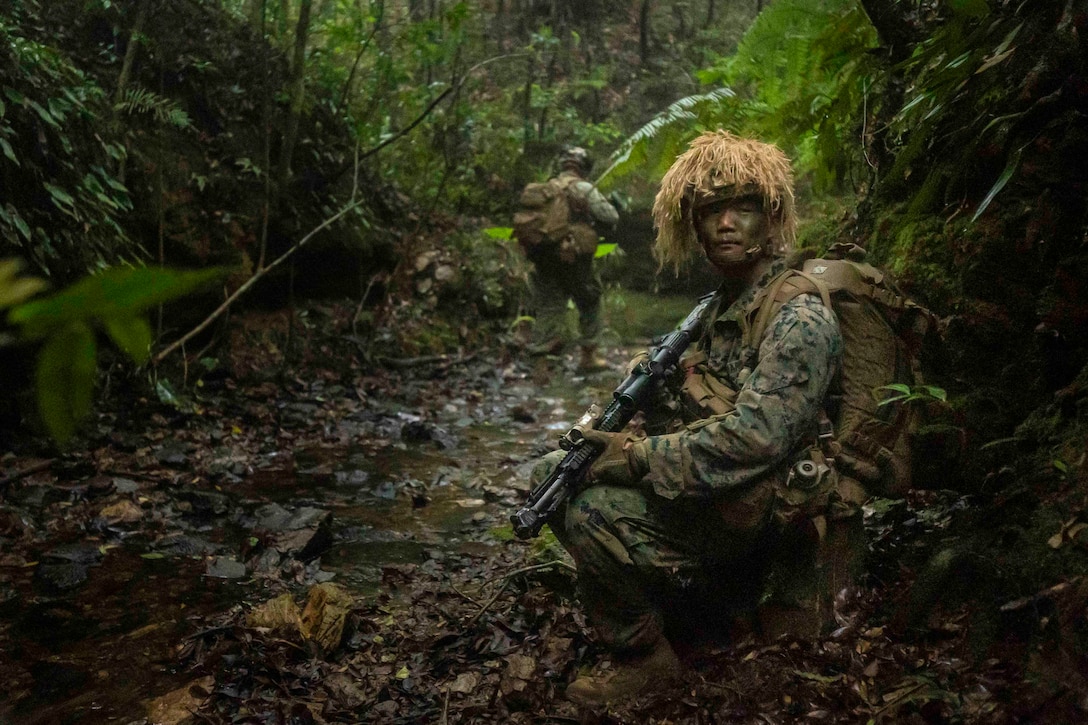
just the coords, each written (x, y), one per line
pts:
(703, 394)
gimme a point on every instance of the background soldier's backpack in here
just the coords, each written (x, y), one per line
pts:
(544, 217)
(882, 334)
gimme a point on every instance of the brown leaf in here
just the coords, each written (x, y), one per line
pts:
(323, 617)
(122, 512)
(465, 683)
(178, 705)
(279, 613)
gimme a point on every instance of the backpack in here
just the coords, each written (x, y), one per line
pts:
(882, 334)
(545, 214)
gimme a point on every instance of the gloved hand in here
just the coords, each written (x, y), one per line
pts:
(621, 463)
(568, 251)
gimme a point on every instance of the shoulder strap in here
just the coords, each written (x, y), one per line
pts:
(786, 286)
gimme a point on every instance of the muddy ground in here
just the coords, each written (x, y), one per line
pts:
(328, 542)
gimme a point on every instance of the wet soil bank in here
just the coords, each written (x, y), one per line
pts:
(136, 573)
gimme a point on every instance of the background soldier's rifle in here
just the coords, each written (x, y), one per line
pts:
(632, 395)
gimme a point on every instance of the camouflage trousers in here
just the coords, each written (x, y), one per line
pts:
(552, 283)
(704, 563)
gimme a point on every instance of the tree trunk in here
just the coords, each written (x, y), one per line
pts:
(709, 13)
(644, 30)
(297, 93)
(896, 27)
(126, 68)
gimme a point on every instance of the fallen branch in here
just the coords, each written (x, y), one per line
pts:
(249, 283)
(24, 472)
(487, 605)
(403, 363)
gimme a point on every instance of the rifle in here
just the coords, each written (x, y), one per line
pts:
(632, 395)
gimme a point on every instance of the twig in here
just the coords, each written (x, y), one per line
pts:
(898, 700)
(506, 582)
(24, 472)
(403, 363)
(431, 106)
(462, 594)
(252, 281)
(446, 708)
(490, 601)
(534, 567)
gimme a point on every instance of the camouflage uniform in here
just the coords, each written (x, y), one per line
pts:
(553, 281)
(714, 499)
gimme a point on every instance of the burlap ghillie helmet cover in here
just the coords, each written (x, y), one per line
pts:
(718, 164)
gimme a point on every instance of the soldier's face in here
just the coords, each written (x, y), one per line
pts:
(729, 229)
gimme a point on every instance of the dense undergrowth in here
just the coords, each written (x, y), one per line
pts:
(945, 137)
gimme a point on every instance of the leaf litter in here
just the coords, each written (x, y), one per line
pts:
(451, 620)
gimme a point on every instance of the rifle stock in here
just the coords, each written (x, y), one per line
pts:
(632, 395)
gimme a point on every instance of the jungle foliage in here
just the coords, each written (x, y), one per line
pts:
(942, 135)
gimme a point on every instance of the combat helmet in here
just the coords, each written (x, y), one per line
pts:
(719, 164)
(577, 158)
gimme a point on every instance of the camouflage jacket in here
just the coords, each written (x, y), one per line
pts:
(781, 386)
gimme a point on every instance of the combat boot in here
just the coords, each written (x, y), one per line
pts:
(589, 362)
(628, 679)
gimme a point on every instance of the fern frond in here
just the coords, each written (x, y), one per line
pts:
(665, 135)
(140, 100)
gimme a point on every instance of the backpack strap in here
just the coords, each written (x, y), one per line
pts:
(788, 285)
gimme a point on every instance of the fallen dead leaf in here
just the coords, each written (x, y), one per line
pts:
(178, 705)
(122, 512)
(279, 613)
(323, 617)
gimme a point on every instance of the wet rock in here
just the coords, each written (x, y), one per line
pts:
(207, 503)
(523, 414)
(61, 576)
(125, 485)
(352, 478)
(185, 545)
(274, 517)
(267, 562)
(420, 432)
(222, 567)
(303, 533)
(66, 567)
(174, 453)
(86, 554)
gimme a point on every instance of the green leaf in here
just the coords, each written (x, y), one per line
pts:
(61, 198)
(970, 8)
(897, 388)
(15, 289)
(132, 335)
(8, 151)
(499, 232)
(116, 293)
(934, 392)
(603, 250)
(1010, 169)
(153, 555)
(65, 379)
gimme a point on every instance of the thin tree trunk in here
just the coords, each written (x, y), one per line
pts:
(126, 68)
(709, 13)
(297, 93)
(644, 31)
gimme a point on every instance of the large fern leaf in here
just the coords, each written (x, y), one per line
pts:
(659, 141)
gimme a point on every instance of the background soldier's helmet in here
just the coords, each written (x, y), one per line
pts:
(577, 158)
